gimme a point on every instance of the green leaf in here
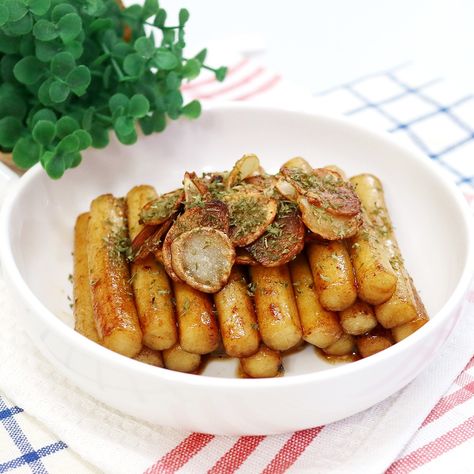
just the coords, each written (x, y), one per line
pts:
(192, 110)
(39, 7)
(183, 16)
(173, 81)
(7, 63)
(65, 126)
(44, 30)
(124, 125)
(174, 101)
(4, 15)
(62, 64)
(181, 44)
(191, 69)
(68, 158)
(94, 8)
(79, 79)
(84, 138)
(134, 65)
(121, 49)
(69, 144)
(109, 39)
(134, 12)
(159, 121)
(45, 51)
(107, 76)
(12, 104)
(168, 37)
(43, 92)
(100, 137)
(20, 27)
(118, 101)
(129, 139)
(54, 166)
(150, 8)
(139, 106)
(76, 159)
(44, 115)
(201, 56)
(69, 27)
(28, 70)
(27, 46)
(46, 156)
(165, 59)
(75, 48)
(145, 47)
(8, 45)
(44, 132)
(221, 73)
(160, 18)
(10, 131)
(87, 118)
(100, 24)
(146, 124)
(16, 8)
(61, 10)
(58, 92)
(26, 153)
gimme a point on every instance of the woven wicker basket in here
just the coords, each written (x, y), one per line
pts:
(8, 160)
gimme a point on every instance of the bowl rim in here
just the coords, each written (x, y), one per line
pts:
(93, 350)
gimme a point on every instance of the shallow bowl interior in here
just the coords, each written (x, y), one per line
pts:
(429, 222)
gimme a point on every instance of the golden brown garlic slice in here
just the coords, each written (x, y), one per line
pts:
(210, 214)
(325, 188)
(245, 167)
(203, 258)
(250, 213)
(327, 225)
(152, 243)
(162, 208)
(282, 240)
(244, 257)
(195, 190)
(297, 163)
(286, 189)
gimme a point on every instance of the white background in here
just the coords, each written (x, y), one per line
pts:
(318, 44)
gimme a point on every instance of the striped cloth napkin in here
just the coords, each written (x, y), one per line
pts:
(426, 427)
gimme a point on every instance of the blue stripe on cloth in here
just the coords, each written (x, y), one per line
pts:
(407, 91)
(21, 441)
(32, 457)
(10, 412)
(441, 109)
(362, 79)
(406, 127)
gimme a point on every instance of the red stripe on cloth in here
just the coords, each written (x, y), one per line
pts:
(180, 455)
(292, 450)
(235, 85)
(263, 88)
(464, 378)
(234, 458)
(470, 364)
(436, 448)
(210, 80)
(449, 402)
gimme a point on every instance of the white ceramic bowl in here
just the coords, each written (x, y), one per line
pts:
(431, 220)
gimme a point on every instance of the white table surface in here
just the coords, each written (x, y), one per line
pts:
(321, 43)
